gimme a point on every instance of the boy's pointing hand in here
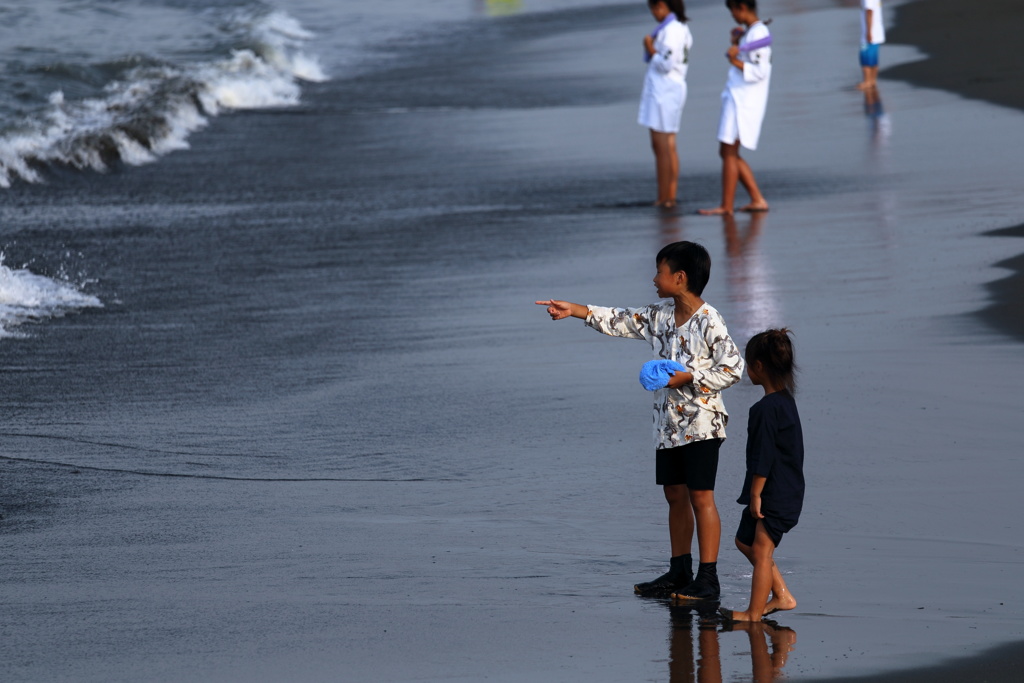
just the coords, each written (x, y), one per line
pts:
(557, 309)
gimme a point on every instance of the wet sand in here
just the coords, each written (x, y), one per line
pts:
(502, 502)
(971, 52)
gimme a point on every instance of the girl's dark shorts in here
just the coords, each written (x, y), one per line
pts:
(694, 465)
(773, 525)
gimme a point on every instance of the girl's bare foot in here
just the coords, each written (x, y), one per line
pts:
(736, 616)
(755, 207)
(780, 603)
(717, 211)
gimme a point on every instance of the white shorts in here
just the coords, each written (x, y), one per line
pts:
(728, 125)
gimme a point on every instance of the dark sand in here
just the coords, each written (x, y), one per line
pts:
(972, 51)
(972, 48)
(483, 511)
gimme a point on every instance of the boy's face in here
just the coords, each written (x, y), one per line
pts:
(667, 283)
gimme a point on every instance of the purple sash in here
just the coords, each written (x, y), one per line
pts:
(665, 22)
(756, 44)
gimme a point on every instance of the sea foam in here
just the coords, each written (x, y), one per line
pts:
(28, 297)
(153, 107)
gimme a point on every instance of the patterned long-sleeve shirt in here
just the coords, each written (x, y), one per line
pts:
(694, 412)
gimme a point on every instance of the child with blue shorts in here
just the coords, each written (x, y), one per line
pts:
(689, 415)
(872, 34)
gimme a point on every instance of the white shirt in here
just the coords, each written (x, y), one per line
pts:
(702, 344)
(877, 25)
(748, 86)
(671, 57)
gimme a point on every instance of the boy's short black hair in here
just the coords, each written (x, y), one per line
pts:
(752, 4)
(692, 259)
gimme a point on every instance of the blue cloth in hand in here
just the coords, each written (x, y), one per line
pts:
(655, 374)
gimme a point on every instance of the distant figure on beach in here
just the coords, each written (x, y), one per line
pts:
(667, 53)
(872, 34)
(773, 490)
(744, 101)
(689, 415)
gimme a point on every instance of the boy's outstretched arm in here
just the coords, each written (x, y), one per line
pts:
(564, 309)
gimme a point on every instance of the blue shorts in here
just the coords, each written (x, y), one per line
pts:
(869, 55)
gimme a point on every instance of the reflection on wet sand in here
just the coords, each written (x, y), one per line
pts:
(695, 641)
(879, 125)
(748, 277)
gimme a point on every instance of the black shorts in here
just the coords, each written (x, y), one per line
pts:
(694, 465)
(773, 525)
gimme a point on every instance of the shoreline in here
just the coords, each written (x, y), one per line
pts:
(984, 66)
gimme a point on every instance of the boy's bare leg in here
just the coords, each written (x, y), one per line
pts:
(680, 519)
(781, 599)
(666, 163)
(708, 523)
(746, 178)
(730, 154)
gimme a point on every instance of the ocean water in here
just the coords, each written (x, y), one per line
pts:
(278, 404)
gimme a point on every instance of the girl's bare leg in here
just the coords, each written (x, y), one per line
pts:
(730, 153)
(781, 598)
(746, 178)
(666, 163)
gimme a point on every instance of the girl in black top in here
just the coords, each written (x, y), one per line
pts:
(773, 489)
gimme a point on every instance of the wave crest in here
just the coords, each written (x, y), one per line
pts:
(28, 297)
(152, 108)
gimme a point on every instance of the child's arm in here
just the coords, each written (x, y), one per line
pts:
(756, 486)
(679, 379)
(727, 362)
(673, 51)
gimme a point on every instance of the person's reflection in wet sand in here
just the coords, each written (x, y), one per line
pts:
(737, 244)
(671, 227)
(748, 276)
(694, 623)
(879, 126)
(766, 666)
(694, 654)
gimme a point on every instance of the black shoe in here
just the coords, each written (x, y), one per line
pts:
(661, 587)
(704, 587)
(679, 575)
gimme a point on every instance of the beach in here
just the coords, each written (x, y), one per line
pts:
(316, 429)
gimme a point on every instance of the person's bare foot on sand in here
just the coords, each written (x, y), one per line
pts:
(780, 603)
(717, 211)
(755, 207)
(731, 615)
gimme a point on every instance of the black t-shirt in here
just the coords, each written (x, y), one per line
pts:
(775, 450)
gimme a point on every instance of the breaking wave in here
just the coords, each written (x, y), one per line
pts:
(152, 106)
(27, 297)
